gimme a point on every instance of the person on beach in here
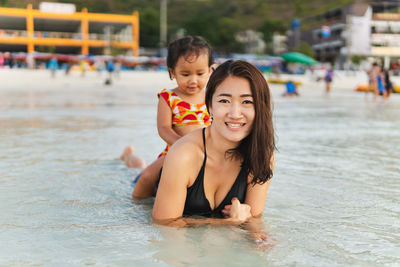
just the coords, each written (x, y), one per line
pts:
(388, 83)
(372, 79)
(381, 86)
(53, 66)
(110, 67)
(222, 172)
(328, 79)
(83, 66)
(291, 89)
(180, 110)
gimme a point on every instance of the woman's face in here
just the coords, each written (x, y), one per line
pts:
(232, 108)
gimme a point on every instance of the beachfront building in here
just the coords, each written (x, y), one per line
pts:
(58, 28)
(279, 44)
(361, 29)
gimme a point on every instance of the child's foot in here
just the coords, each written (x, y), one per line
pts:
(129, 150)
(131, 160)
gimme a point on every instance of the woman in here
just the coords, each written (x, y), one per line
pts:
(222, 172)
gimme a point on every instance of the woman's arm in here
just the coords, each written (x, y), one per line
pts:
(257, 194)
(196, 222)
(181, 166)
(164, 122)
(240, 214)
(256, 230)
(175, 177)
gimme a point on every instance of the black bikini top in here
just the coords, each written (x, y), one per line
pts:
(196, 202)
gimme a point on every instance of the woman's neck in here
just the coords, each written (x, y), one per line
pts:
(216, 144)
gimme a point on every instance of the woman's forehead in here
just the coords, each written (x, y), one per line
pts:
(233, 85)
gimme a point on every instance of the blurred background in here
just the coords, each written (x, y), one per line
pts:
(346, 34)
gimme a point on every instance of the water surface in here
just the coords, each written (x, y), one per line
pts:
(65, 195)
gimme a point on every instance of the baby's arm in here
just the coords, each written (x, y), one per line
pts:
(164, 122)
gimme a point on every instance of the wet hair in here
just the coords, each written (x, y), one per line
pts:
(187, 47)
(255, 150)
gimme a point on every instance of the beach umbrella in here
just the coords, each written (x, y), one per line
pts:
(298, 58)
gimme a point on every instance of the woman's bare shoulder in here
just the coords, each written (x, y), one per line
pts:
(189, 147)
(184, 159)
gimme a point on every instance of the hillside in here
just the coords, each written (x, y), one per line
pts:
(217, 20)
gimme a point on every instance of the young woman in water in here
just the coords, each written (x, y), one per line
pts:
(222, 172)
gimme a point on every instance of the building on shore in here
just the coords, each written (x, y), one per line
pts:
(58, 28)
(367, 29)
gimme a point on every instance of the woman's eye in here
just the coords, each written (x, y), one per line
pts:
(223, 101)
(247, 102)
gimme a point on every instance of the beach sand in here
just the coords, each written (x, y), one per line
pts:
(22, 79)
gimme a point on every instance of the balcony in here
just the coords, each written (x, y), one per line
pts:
(387, 40)
(12, 33)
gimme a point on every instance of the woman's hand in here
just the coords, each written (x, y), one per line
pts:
(237, 211)
(262, 240)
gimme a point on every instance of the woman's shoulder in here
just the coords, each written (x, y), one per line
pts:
(185, 157)
(189, 147)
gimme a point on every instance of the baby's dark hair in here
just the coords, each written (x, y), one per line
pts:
(186, 47)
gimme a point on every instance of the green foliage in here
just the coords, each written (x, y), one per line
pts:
(356, 59)
(299, 7)
(149, 28)
(219, 31)
(217, 20)
(269, 27)
(305, 49)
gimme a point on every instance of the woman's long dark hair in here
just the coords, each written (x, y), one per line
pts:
(256, 150)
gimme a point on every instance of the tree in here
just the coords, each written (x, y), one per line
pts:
(220, 32)
(149, 27)
(356, 59)
(305, 49)
(269, 27)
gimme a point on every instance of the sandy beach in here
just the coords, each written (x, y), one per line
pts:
(21, 79)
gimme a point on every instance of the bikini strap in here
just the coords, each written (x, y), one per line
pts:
(204, 142)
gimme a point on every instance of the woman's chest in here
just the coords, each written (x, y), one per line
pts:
(219, 181)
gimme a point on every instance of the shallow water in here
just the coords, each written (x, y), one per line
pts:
(65, 195)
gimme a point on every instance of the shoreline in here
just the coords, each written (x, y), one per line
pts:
(39, 78)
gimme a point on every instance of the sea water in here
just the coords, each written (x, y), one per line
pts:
(65, 197)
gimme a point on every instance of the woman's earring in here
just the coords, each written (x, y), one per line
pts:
(211, 116)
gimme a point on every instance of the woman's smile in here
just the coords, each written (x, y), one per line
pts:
(234, 125)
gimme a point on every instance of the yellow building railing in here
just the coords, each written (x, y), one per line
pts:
(84, 38)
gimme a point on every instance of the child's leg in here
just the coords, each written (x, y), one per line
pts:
(131, 160)
(148, 178)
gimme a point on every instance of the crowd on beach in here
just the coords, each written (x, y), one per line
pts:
(93, 62)
(379, 82)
